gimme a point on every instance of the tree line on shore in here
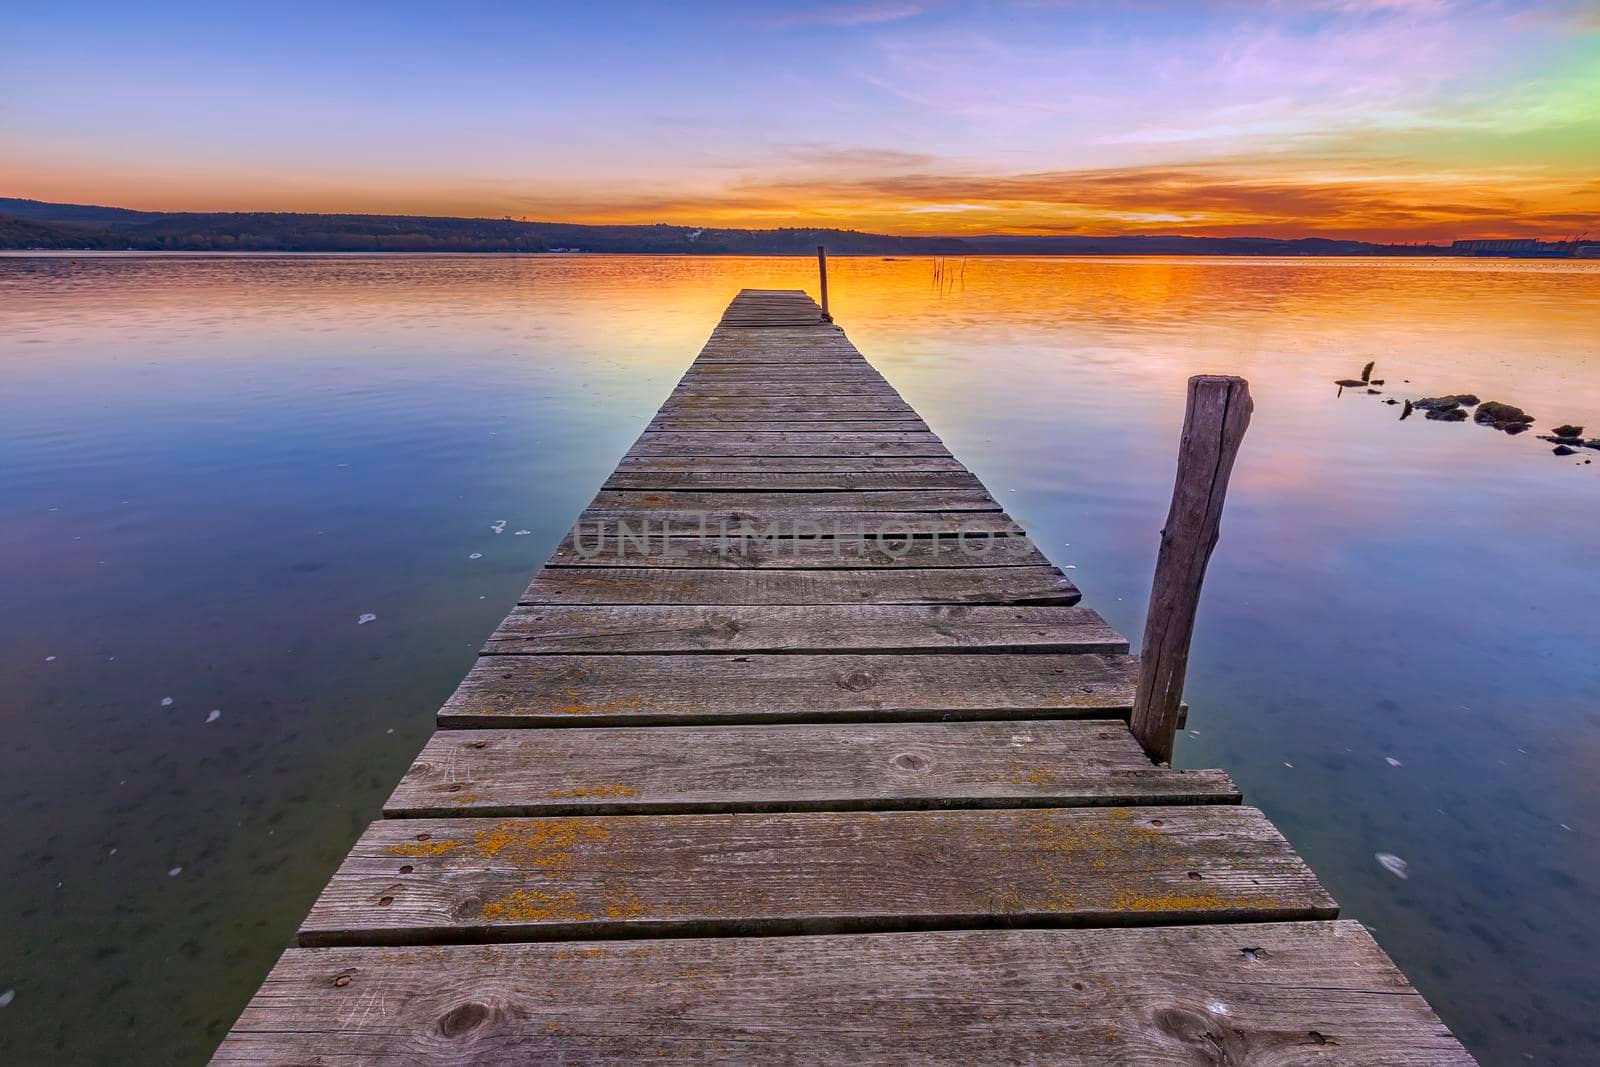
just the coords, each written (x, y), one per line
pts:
(32, 224)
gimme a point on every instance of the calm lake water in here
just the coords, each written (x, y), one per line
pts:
(210, 467)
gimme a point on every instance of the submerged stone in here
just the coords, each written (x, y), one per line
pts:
(1506, 417)
(1453, 400)
(1446, 414)
(1563, 450)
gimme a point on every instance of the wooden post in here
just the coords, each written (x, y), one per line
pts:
(822, 270)
(1214, 423)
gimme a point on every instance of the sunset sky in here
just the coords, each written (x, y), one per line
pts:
(1388, 119)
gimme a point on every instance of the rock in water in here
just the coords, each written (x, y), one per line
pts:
(1454, 400)
(1568, 430)
(1447, 414)
(1349, 383)
(1504, 417)
(1563, 450)
(1405, 411)
(1366, 372)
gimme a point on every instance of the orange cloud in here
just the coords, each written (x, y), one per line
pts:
(1359, 199)
(902, 193)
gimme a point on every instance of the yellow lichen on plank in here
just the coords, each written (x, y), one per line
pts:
(1049, 834)
(543, 844)
(535, 905)
(1133, 900)
(423, 848)
(576, 706)
(616, 789)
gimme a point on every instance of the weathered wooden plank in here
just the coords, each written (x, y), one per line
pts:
(800, 408)
(812, 331)
(877, 501)
(789, 464)
(807, 333)
(764, 419)
(766, 348)
(788, 444)
(815, 410)
(650, 690)
(561, 629)
(752, 392)
(774, 318)
(421, 880)
(791, 481)
(711, 402)
(773, 347)
(599, 526)
(765, 424)
(774, 357)
(775, 501)
(830, 553)
(704, 395)
(797, 355)
(800, 372)
(796, 389)
(698, 367)
(1307, 992)
(766, 443)
(839, 767)
(950, 585)
(768, 304)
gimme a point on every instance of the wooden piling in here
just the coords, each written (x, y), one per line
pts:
(822, 273)
(1214, 422)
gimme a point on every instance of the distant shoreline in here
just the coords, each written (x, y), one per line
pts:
(38, 226)
(194, 253)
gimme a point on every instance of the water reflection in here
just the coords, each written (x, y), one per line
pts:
(214, 467)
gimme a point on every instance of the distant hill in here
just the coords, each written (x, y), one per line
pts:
(37, 224)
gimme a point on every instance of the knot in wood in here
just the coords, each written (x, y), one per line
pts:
(857, 681)
(463, 1019)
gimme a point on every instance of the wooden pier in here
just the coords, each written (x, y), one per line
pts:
(827, 764)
